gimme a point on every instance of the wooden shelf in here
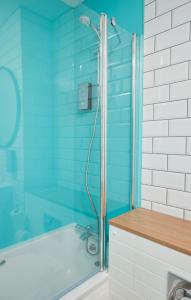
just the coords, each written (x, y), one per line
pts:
(168, 231)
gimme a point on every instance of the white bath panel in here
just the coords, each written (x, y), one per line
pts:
(73, 3)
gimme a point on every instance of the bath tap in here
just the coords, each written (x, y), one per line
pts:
(85, 235)
(86, 231)
(182, 293)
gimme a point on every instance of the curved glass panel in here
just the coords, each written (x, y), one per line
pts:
(119, 150)
(50, 171)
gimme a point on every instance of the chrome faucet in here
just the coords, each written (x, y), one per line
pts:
(182, 293)
(86, 231)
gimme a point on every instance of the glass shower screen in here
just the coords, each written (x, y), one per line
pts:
(49, 149)
(65, 152)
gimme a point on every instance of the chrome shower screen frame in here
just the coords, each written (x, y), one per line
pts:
(103, 91)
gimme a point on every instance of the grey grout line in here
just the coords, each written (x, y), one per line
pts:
(165, 187)
(168, 11)
(168, 66)
(166, 30)
(170, 154)
(190, 32)
(172, 9)
(171, 19)
(178, 173)
(166, 48)
(156, 9)
(167, 164)
(173, 119)
(169, 84)
(169, 29)
(185, 182)
(170, 93)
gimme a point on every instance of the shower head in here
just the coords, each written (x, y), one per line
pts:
(85, 20)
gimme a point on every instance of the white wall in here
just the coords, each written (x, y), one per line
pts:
(166, 180)
(140, 269)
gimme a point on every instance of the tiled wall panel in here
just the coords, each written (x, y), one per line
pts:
(167, 108)
(139, 268)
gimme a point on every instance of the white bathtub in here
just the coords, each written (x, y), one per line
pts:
(95, 288)
(46, 267)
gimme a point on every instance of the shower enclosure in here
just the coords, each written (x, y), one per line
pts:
(69, 143)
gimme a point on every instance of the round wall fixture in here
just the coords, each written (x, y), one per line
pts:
(9, 107)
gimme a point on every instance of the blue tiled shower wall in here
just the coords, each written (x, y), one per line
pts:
(75, 62)
(50, 58)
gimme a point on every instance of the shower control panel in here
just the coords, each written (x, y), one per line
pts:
(85, 96)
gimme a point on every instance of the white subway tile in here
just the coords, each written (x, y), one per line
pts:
(179, 163)
(142, 279)
(166, 5)
(150, 11)
(155, 194)
(188, 146)
(157, 60)
(147, 145)
(189, 106)
(170, 110)
(173, 37)
(182, 14)
(188, 215)
(179, 199)
(188, 183)
(169, 180)
(156, 94)
(171, 74)
(146, 176)
(168, 210)
(147, 112)
(151, 264)
(158, 25)
(170, 131)
(155, 128)
(154, 161)
(181, 127)
(148, 79)
(149, 45)
(181, 53)
(180, 90)
(169, 145)
(146, 204)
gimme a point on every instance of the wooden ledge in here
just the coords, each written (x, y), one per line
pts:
(168, 231)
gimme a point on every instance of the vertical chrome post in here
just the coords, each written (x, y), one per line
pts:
(134, 59)
(103, 98)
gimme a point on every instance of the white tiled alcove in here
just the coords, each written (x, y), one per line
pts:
(139, 268)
